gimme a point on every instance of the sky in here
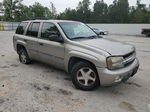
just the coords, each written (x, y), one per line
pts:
(61, 5)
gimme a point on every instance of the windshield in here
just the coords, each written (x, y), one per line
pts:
(76, 30)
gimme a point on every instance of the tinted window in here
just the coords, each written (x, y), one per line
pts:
(20, 29)
(49, 29)
(33, 29)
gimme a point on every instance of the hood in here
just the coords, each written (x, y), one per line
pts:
(110, 46)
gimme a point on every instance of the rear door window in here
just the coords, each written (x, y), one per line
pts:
(33, 29)
(21, 28)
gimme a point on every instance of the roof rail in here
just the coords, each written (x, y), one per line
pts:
(39, 19)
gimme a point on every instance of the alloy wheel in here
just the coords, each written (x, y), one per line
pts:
(86, 76)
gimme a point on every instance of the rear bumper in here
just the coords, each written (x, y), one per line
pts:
(111, 77)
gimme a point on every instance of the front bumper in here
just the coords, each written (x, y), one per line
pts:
(111, 77)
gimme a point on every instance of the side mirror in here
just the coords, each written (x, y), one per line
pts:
(56, 38)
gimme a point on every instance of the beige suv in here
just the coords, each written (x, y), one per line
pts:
(74, 47)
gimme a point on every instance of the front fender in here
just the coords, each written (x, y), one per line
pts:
(98, 62)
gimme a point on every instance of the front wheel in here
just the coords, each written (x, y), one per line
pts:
(84, 76)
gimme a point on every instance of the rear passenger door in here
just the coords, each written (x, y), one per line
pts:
(50, 51)
(31, 39)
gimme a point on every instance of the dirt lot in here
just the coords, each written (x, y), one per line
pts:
(40, 88)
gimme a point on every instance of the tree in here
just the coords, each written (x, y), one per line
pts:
(68, 14)
(38, 11)
(119, 11)
(112, 12)
(100, 12)
(16, 11)
(22, 13)
(1, 11)
(9, 8)
(53, 10)
(83, 11)
(123, 7)
(139, 14)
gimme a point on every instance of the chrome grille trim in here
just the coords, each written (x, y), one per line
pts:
(129, 54)
(129, 58)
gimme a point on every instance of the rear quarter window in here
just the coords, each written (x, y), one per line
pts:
(21, 28)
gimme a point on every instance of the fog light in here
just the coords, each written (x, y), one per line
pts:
(118, 79)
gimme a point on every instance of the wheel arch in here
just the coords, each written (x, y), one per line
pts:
(20, 46)
(73, 60)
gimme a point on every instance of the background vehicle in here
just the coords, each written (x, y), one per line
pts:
(146, 32)
(75, 48)
(100, 32)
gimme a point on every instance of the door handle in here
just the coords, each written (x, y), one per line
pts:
(41, 44)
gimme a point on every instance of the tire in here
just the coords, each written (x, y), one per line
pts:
(84, 76)
(101, 33)
(23, 56)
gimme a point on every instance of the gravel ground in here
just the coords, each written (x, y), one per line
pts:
(41, 88)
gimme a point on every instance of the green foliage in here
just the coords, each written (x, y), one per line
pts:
(14, 10)
(140, 14)
(68, 14)
(118, 12)
(38, 11)
(10, 6)
(83, 11)
(21, 13)
(100, 12)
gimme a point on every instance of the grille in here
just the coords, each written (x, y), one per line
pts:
(129, 58)
(129, 54)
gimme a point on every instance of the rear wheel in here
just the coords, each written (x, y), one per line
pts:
(84, 76)
(23, 56)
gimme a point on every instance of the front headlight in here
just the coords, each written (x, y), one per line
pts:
(115, 62)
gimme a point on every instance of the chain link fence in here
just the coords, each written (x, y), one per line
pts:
(8, 26)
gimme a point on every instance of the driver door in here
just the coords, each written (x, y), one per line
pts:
(50, 52)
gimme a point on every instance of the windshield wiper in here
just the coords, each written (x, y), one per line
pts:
(89, 37)
(93, 37)
(78, 38)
